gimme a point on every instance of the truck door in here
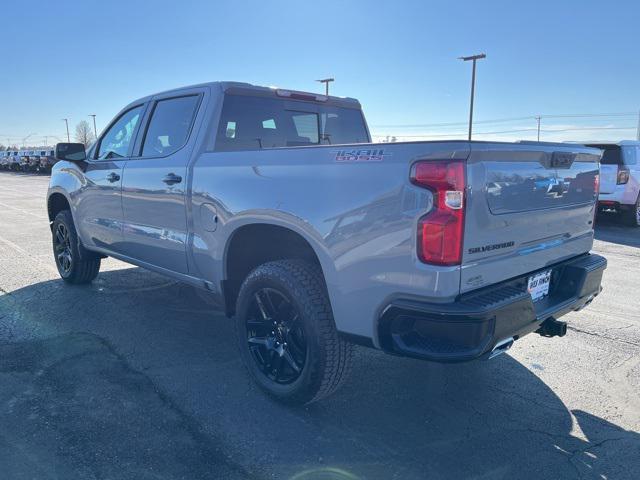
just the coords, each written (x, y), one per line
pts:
(99, 203)
(154, 186)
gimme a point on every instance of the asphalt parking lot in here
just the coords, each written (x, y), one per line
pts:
(137, 376)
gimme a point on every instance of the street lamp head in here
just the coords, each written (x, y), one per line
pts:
(473, 57)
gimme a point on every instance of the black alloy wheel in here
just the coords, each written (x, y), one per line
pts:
(62, 249)
(275, 336)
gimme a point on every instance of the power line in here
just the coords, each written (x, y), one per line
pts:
(452, 124)
(557, 130)
(590, 115)
(510, 119)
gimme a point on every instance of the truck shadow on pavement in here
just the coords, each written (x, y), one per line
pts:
(138, 377)
(609, 228)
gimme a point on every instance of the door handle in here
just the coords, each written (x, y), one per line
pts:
(172, 178)
(113, 177)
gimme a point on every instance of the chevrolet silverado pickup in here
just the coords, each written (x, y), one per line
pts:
(314, 239)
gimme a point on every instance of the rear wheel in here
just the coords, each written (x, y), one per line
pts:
(632, 216)
(75, 264)
(286, 332)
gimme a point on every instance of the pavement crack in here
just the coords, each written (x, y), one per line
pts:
(600, 335)
(525, 398)
(192, 425)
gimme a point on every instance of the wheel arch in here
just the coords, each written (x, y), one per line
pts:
(254, 243)
(56, 202)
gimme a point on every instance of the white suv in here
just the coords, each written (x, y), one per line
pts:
(620, 179)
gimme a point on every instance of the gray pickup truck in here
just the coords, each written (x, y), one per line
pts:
(313, 239)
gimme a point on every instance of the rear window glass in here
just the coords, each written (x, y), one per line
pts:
(612, 154)
(253, 123)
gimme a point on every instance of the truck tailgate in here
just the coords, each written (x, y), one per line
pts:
(528, 206)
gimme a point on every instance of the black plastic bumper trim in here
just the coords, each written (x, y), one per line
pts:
(470, 327)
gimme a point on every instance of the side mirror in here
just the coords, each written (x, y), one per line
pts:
(71, 152)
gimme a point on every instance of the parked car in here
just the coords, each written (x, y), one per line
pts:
(620, 179)
(47, 160)
(31, 161)
(4, 155)
(15, 160)
(312, 238)
(24, 156)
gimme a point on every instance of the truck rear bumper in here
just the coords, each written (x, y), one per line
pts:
(478, 321)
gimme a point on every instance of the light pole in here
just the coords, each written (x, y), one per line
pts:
(326, 82)
(66, 121)
(95, 132)
(473, 58)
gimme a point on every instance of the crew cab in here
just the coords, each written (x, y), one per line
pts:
(312, 238)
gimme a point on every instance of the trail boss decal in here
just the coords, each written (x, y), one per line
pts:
(488, 248)
(364, 155)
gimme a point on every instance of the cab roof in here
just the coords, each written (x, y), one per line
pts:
(243, 88)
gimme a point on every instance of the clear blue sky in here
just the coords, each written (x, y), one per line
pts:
(73, 58)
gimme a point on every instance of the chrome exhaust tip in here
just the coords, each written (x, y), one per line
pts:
(501, 347)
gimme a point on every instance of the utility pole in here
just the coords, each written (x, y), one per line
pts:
(95, 132)
(24, 139)
(326, 82)
(472, 58)
(538, 118)
(66, 121)
(638, 132)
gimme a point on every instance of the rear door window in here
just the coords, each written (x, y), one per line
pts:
(169, 126)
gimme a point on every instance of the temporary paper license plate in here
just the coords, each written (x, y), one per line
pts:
(538, 285)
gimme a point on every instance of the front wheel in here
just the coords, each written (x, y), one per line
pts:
(286, 332)
(74, 265)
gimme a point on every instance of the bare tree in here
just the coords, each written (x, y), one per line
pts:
(84, 133)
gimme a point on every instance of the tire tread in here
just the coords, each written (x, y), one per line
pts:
(306, 281)
(86, 266)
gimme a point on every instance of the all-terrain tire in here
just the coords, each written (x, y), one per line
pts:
(328, 356)
(632, 216)
(75, 264)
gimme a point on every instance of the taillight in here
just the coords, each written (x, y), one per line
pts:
(441, 231)
(596, 194)
(623, 175)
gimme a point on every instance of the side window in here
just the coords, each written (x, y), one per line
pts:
(231, 130)
(169, 125)
(306, 125)
(115, 142)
